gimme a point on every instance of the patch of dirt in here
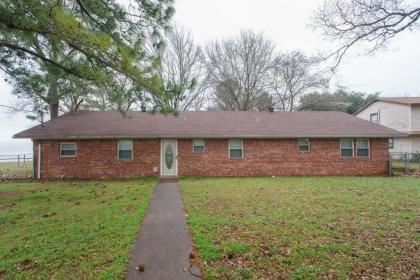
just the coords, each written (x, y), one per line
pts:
(26, 265)
(196, 266)
(2, 273)
(195, 257)
(49, 215)
(129, 208)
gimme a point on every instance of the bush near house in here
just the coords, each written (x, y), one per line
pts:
(305, 227)
(71, 229)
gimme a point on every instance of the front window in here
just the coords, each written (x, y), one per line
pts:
(67, 149)
(235, 148)
(346, 147)
(374, 118)
(303, 144)
(198, 145)
(125, 149)
(362, 147)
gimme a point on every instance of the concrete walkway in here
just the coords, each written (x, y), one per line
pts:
(164, 244)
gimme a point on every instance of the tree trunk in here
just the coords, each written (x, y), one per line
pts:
(53, 100)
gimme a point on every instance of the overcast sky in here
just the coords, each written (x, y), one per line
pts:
(393, 73)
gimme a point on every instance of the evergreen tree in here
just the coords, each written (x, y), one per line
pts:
(45, 45)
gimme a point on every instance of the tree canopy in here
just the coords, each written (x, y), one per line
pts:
(43, 43)
(340, 100)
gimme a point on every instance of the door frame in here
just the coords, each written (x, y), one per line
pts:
(175, 156)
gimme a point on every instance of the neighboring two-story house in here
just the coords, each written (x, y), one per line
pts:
(399, 113)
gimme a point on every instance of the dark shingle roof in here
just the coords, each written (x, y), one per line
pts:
(211, 124)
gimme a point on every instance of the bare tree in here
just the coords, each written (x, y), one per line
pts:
(293, 75)
(238, 70)
(369, 23)
(183, 72)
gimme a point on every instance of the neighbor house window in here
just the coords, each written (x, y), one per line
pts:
(125, 149)
(303, 144)
(374, 118)
(362, 147)
(198, 145)
(391, 143)
(235, 148)
(346, 146)
(67, 149)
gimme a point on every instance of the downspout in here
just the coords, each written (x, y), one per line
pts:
(33, 159)
(39, 161)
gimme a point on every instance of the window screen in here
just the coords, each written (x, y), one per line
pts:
(346, 146)
(67, 149)
(235, 148)
(303, 144)
(198, 145)
(125, 149)
(362, 147)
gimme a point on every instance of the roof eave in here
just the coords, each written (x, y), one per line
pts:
(180, 136)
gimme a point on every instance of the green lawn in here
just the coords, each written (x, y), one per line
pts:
(70, 230)
(305, 228)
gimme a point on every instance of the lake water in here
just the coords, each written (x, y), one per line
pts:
(14, 147)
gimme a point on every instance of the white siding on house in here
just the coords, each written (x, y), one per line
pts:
(392, 115)
(401, 145)
(415, 117)
(399, 117)
(415, 144)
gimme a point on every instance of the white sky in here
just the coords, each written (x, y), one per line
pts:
(394, 72)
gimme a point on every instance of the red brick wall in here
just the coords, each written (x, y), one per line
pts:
(280, 157)
(98, 159)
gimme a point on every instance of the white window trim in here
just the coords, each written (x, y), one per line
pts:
(352, 147)
(368, 148)
(377, 118)
(242, 148)
(204, 145)
(75, 149)
(118, 149)
(309, 145)
(391, 140)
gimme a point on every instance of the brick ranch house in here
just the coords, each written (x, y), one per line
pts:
(108, 144)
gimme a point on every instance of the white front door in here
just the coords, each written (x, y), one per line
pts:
(169, 158)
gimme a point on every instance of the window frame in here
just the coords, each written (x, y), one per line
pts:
(356, 148)
(193, 145)
(242, 148)
(309, 145)
(374, 115)
(118, 149)
(68, 156)
(352, 148)
(391, 143)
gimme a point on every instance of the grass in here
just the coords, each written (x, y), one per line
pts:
(398, 167)
(11, 170)
(70, 229)
(305, 227)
